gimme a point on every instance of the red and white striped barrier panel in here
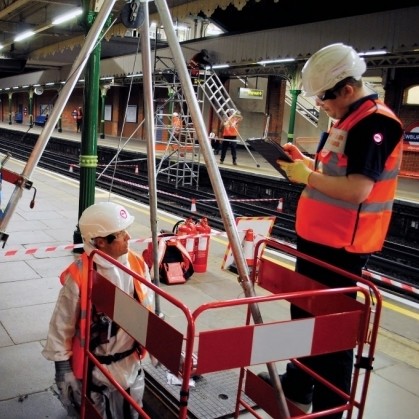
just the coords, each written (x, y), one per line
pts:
(143, 325)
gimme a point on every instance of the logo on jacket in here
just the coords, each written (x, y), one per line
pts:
(378, 138)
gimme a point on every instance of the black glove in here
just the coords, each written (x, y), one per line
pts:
(69, 386)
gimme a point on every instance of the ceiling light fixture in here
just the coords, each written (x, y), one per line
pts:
(369, 53)
(24, 35)
(67, 16)
(218, 66)
(279, 60)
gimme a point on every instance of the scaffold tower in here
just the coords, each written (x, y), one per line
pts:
(175, 133)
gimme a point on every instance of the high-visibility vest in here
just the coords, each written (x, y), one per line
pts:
(79, 271)
(230, 127)
(340, 224)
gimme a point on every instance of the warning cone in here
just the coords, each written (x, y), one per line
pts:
(248, 247)
(280, 205)
(193, 205)
(136, 169)
(71, 168)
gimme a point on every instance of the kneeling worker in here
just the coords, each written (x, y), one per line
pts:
(102, 226)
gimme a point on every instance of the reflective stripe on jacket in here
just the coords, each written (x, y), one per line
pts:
(79, 271)
(340, 224)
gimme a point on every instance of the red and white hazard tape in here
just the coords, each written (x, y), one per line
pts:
(187, 199)
(144, 187)
(370, 275)
(239, 200)
(69, 247)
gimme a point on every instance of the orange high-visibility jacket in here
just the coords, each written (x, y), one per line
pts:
(339, 224)
(230, 127)
(79, 271)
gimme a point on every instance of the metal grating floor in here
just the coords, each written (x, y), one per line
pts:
(213, 397)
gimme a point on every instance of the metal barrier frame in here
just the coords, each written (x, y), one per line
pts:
(270, 279)
(144, 326)
(243, 345)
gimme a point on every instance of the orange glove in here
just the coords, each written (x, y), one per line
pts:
(296, 172)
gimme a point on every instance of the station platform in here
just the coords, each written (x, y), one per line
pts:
(39, 248)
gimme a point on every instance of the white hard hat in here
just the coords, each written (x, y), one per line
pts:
(212, 135)
(175, 114)
(102, 219)
(329, 66)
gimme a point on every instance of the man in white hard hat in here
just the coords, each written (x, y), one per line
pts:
(344, 211)
(102, 226)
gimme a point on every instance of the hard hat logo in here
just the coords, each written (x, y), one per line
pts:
(329, 66)
(123, 214)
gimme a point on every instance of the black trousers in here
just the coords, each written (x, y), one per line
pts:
(233, 147)
(335, 367)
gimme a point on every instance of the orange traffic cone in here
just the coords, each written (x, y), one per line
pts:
(193, 205)
(71, 168)
(248, 247)
(136, 170)
(280, 205)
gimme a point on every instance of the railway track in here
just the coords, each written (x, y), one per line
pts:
(397, 262)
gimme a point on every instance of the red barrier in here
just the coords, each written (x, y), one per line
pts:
(338, 323)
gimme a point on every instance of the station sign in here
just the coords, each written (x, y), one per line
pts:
(411, 136)
(245, 93)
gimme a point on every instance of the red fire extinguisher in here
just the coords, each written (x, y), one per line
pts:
(202, 246)
(188, 228)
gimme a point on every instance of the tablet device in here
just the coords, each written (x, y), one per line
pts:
(271, 151)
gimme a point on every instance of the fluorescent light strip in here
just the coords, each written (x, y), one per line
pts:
(24, 35)
(67, 16)
(280, 60)
(218, 66)
(369, 53)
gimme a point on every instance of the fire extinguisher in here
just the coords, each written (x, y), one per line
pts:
(188, 228)
(202, 246)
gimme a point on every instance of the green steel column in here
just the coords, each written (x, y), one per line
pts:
(89, 132)
(30, 110)
(10, 108)
(293, 110)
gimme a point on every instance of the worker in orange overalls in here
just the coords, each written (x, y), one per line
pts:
(102, 226)
(344, 211)
(176, 125)
(230, 133)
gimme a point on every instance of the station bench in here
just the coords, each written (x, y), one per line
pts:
(40, 120)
